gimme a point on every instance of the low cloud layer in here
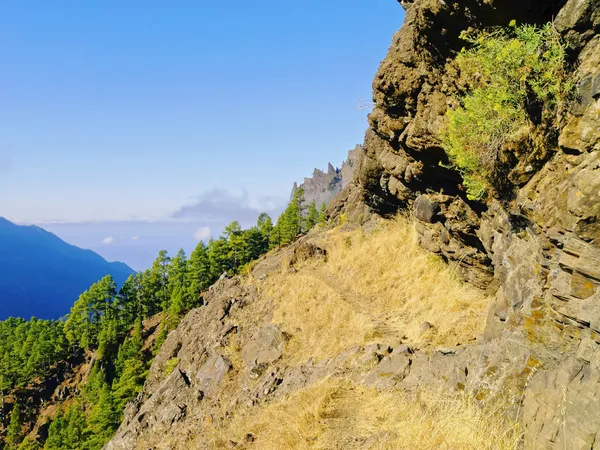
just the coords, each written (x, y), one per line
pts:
(137, 242)
(222, 205)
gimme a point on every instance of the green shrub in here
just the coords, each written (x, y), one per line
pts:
(506, 72)
(170, 366)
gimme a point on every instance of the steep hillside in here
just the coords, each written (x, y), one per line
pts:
(57, 390)
(360, 338)
(323, 333)
(41, 275)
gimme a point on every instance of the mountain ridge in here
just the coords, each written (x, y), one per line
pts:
(41, 274)
(322, 186)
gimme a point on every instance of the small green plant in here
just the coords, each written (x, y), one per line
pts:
(170, 366)
(348, 242)
(506, 72)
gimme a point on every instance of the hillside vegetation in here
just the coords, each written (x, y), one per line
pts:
(341, 414)
(105, 329)
(515, 80)
(374, 286)
(347, 334)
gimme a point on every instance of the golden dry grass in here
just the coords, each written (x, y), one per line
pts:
(377, 287)
(338, 414)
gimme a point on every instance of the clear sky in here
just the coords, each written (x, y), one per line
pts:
(118, 111)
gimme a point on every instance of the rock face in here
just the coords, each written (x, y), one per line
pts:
(537, 251)
(322, 187)
(540, 248)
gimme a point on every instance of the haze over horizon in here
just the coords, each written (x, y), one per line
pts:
(127, 128)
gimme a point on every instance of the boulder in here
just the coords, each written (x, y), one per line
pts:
(264, 348)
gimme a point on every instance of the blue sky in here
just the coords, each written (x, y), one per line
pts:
(114, 114)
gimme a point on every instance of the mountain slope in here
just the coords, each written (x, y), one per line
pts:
(313, 348)
(298, 357)
(41, 275)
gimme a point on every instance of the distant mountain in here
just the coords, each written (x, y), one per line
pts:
(323, 186)
(41, 275)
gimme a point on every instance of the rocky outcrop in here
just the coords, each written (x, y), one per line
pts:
(322, 187)
(538, 247)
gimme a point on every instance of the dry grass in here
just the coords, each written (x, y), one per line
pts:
(338, 414)
(377, 287)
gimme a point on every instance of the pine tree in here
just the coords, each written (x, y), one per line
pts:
(265, 227)
(313, 216)
(57, 432)
(323, 213)
(104, 419)
(198, 276)
(14, 434)
(29, 444)
(237, 246)
(77, 327)
(275, 238)
(128, 302)
(130, 381)
(255, 244)
(176, 283)
(108, 337)
(218, 256)
(291, 221)
(155, 284)
(76, 432)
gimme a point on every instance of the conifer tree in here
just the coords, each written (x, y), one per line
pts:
(104, 419)
(291, 221)
(265, 227)
(14, 434)
(323, 213)
(177, 296)
(218, 256)
(237, 246)
(255, 244)
(57, 432)
(128, 303)
(275, 238)
(313, 216)
(198, 276)
(29, 444)
(155, 284)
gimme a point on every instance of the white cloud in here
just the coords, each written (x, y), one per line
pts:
(224, 205)
(202, 234)
(108, 240)
(135, 238)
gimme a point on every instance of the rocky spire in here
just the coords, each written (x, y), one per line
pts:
(323, 186)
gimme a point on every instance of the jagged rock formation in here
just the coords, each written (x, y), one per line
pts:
(322, 187)
(536, 250)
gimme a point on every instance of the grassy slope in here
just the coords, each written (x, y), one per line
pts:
(376, 287)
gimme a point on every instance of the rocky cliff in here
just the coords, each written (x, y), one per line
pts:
(534, 249)
(322, 187)
(538, 246)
